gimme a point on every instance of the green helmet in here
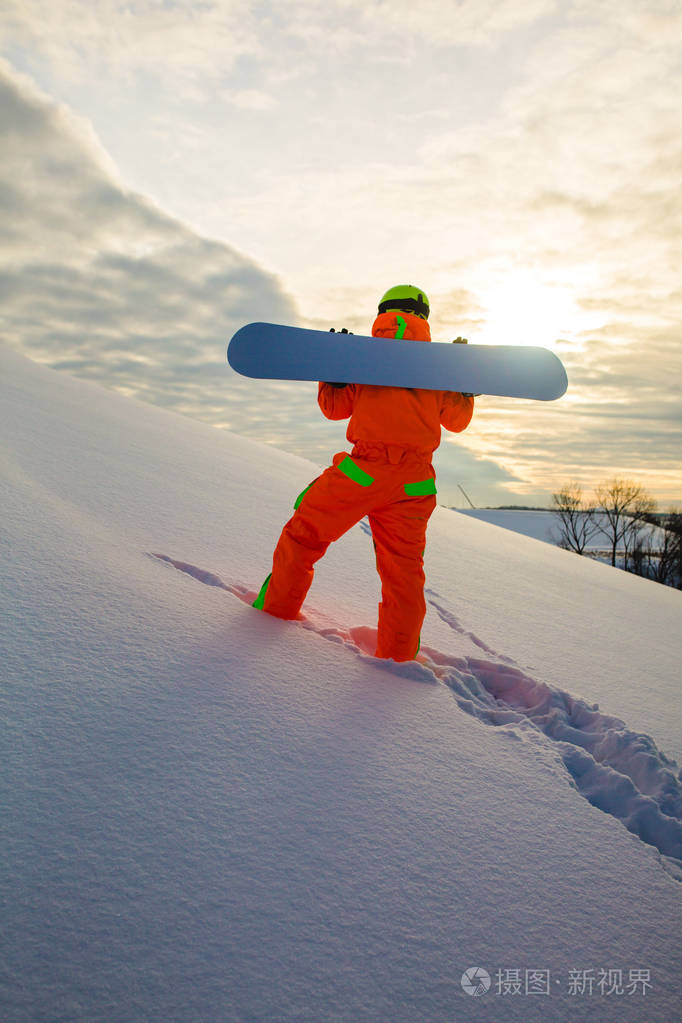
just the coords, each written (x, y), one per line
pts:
(407, 298)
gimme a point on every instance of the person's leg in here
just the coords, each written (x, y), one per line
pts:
(330, 506)
(399, 532)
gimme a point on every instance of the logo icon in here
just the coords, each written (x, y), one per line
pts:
(476, 981)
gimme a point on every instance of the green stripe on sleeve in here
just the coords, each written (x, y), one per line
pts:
(421, 489)
(301, 496)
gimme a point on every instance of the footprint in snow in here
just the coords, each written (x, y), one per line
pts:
(618, 771)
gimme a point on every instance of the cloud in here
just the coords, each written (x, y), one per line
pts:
(97, 280)
(197, 42)
(521, 159)
(188, 45)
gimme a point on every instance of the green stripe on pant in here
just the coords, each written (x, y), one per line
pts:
(421, 489)
(354, 472)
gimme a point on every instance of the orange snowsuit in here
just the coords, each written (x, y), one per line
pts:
(389, 477)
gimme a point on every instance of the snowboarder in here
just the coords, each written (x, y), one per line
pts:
(388, 477)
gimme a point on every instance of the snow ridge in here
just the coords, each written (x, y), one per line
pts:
(449, 618)
(619, 771)
(208, 578)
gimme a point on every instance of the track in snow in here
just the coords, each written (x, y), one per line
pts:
(617, 770)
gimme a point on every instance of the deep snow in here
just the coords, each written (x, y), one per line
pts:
(213, 815)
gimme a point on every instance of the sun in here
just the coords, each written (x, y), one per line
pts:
(522, 309)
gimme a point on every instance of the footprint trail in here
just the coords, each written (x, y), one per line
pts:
(619, 771)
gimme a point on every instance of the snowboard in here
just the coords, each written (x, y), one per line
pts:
(274, 352)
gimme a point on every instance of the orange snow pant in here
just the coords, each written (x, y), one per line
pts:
(396, 490)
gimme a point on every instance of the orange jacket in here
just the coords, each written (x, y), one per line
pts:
(407, 418)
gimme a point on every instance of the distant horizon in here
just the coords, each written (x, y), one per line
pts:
(522, 507)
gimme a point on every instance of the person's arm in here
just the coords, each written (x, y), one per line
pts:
(456, 411)
(336, 400)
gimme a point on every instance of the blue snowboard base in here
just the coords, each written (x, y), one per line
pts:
(269, 351)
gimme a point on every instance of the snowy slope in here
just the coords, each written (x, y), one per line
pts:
(541, 525)
(213, 815)
(545, 525)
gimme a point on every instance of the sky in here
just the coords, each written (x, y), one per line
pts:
(171, 170)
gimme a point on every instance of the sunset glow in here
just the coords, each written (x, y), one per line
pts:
(171, 171)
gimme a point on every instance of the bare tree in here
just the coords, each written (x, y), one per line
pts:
(576, 517)
(670, 561)
(658, 553)
(640, 529)
(624, 506)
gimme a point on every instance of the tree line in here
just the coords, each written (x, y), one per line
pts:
(622, 513)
